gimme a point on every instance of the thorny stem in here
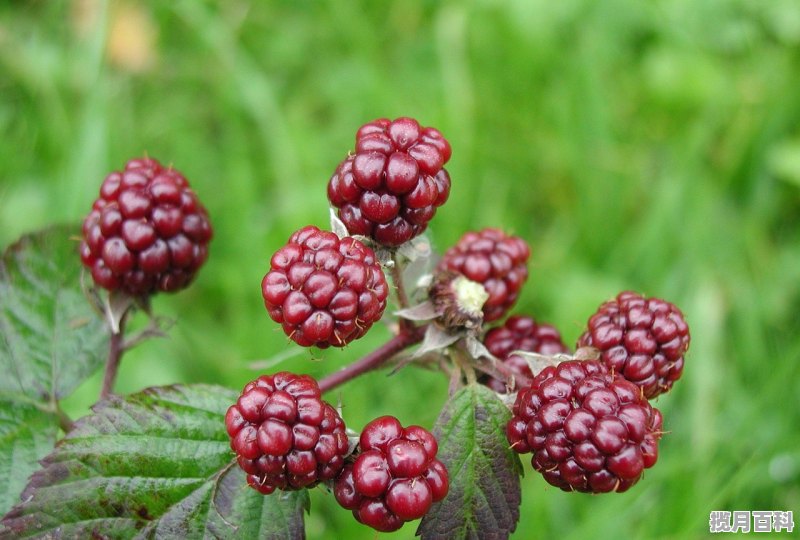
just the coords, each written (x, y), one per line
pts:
(115, 349)
(382, 354)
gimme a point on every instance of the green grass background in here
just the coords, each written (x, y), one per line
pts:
(645, 145)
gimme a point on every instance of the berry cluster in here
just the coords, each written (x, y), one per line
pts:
(284, 435)
(395, 477)
(586, 419)
(390, 187)
(520, 333)
(496, 261)
(324, 290)
(589, 430)
(644, 339)
(146, 232)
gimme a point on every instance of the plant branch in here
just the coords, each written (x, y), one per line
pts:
(64, 421)
(402, 297)
(374, 359)
(115, 349)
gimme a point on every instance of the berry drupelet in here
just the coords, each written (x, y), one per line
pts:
(146, 232)
(324, 290)
(520, 333)
(395, 478)
(643, 339)
(390, 188)
(589, 429)
(496, 261)
(284, 435)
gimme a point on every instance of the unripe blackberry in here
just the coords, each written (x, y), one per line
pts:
(520, 333)
(284, 435)
(390, 188)
(496, 261)
(324, 290)
(146, 232)
(396, 476)
(589, 429)
(643, 339)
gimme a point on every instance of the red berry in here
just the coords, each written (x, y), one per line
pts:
(496, 261)
(324, 290)
(390, 187)
(643, 339)
(520, 333)
(284, 435)
(396, 476)
(146, 232)
(589, 430)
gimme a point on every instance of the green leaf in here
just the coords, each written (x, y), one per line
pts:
(50, 338)
(484, 497)
(152, 465)
(27, 434)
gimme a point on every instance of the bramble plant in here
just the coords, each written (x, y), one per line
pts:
(203, 460)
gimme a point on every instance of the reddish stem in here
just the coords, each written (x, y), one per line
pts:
(374, 359)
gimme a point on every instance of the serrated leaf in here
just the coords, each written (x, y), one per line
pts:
(151, 465)
(27, 434)
(50, 338)
(484, 497)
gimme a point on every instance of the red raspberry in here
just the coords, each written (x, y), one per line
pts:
(644, 339)
(324, 290)
(146, 232)
(495, 260)
(396, 476)
(520, 333)
(588, 429)
(284, 435)
(390, 188)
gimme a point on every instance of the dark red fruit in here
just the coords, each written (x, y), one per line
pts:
(390, 188)
(589, 429)
(496, 261)
(643, 339)
(284, 435)
(520, 333)
(324, 290)
(396, 476)
(146, 232)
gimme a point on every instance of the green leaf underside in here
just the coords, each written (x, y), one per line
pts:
(484, 497)
(152, 465)
(27, 434)
(50, 338)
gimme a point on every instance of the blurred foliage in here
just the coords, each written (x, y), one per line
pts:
(645, 145)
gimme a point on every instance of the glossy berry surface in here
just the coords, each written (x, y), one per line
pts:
(520, 333)
(644, 339)
(146, 232)
(496, 261)
(324, 290)
(390, 188)
(589, 429)
(284, 435)
(396, 476)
